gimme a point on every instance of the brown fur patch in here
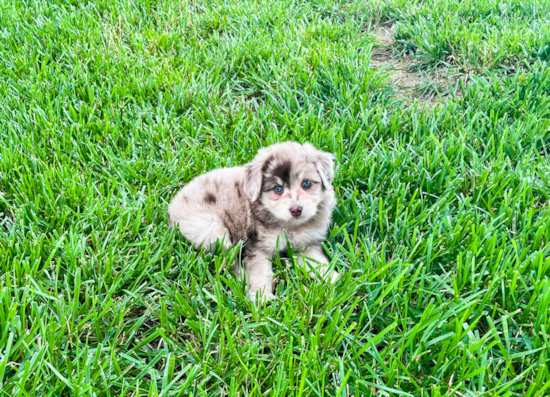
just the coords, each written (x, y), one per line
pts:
(251, 233)
(209, 198)
(238, 188)
(282, 170)
(266, 164)
(228, 224)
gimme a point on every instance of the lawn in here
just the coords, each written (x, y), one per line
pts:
(441, 231)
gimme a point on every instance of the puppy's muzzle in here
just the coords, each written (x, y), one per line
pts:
(296, 211)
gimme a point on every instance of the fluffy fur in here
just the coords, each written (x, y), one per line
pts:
(286, 188)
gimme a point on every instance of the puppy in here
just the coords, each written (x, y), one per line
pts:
(287, 188)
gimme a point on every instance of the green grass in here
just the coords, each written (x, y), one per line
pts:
(471, 35)
(441, 232)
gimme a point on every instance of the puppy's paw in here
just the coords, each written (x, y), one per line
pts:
(261, 296)
(334, 277)
(329, 276)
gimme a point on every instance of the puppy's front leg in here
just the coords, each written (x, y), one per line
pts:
(315, 262)
(260, 276)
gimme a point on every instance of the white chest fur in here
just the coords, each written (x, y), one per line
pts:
(297, 239)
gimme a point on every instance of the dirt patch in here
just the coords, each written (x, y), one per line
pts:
(428, 88)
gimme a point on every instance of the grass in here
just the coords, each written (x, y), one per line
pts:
(441, 230)
(471, 35)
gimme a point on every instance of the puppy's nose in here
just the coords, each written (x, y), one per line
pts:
(296, 211)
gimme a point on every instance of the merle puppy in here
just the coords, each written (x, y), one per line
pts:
(286, 188)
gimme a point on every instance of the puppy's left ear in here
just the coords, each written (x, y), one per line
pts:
(324, 162)
(325, 169)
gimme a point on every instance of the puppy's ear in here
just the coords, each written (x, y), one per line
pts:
(253, 180)
(324, 162)
(325, 169)
(254, 174)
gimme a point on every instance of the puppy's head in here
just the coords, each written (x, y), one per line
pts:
(290, 180)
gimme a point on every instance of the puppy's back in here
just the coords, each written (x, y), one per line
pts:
(213, 206)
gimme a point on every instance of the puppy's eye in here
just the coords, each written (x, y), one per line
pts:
(306, 184)
(278, 189)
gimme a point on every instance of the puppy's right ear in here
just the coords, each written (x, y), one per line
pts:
(255, 173)
(253, 180)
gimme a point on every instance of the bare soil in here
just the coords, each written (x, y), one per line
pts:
(430, 88)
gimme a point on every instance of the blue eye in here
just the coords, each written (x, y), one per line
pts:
(278, 189)
(306, 184)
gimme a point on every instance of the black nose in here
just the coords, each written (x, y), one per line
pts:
(296, 211)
